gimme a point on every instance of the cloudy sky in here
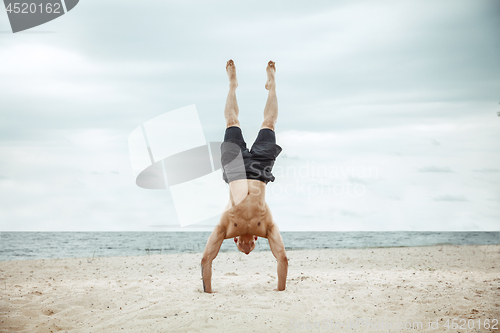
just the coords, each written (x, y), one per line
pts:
(388, 110)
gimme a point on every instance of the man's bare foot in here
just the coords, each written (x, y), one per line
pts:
(271, 70)
(231, 74)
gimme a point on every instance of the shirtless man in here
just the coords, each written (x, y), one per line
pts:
(247, 215)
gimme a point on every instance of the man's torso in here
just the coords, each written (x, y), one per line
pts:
(247, 211)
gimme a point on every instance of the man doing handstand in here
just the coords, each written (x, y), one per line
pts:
(247, 215)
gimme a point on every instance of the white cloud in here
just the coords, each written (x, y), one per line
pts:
(449, 197)
(433, 168)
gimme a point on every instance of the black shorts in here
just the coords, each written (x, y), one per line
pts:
(257, 162)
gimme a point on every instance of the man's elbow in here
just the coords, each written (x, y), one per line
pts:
(282, 259)
(206, 260)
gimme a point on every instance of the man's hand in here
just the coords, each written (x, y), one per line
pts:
(278, 250)
(211, 250)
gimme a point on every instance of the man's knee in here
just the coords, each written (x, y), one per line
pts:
(232, 122)
(269, 123)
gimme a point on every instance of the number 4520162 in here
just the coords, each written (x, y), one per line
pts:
(471, 324)
(32, 8)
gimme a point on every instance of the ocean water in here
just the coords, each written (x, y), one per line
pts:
(56, 245)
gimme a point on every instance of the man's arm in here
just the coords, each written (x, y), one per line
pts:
(278, 250)
(211, 250)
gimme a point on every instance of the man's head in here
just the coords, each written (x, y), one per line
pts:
(245, 243)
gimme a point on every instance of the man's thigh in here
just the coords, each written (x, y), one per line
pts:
(266, 135)
(233, 146)
(234, 134)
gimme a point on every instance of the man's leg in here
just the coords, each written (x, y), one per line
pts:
(271, 109)
(238, 189)
(231, 110)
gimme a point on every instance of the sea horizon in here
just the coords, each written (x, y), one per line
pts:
(65, 244)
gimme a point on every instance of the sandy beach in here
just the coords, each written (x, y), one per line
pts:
(356, 290)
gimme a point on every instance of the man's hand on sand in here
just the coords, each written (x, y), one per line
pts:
(211, 292)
